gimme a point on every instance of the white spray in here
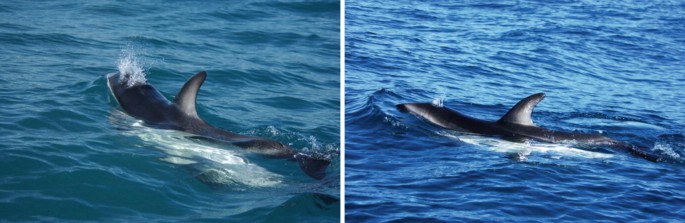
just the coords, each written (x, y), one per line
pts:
(130, 68)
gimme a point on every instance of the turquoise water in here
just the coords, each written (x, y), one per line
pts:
(607, 68)
(69, 153)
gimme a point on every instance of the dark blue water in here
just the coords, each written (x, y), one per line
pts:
(612, 68)
(69, 153)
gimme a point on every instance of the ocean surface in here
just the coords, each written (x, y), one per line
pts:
(68, 152)
(612, 68)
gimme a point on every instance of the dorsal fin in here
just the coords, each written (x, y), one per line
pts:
(521, 112)
(188, 94)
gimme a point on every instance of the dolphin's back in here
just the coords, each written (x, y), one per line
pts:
(142, 101)
(448, 118)
(145, 103)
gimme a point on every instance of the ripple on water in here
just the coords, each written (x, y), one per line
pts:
(69, 154)
(480, 59)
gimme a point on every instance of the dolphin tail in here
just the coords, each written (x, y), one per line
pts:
(636, 151)
(314, 166)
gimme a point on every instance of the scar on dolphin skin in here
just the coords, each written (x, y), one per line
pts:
(515, 123)
(142, 101)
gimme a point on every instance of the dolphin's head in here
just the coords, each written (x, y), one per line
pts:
(438, 115)
(118, 82)
(116, 86)
(125, 80)
(421, 109)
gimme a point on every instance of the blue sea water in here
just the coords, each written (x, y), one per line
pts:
(68, 153)
(607, 67)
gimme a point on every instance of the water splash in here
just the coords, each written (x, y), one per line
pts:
(303, 143)
(666, 149)
(438, 101)
(130, 68)
(671, 145)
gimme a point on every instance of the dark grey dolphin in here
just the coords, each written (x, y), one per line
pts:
(517, 123)
(144, 102)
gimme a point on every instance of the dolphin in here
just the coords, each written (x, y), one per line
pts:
(515, 124)
(142, 101)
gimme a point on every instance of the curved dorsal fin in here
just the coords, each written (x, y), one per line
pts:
(521, 112)
(188, 94)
